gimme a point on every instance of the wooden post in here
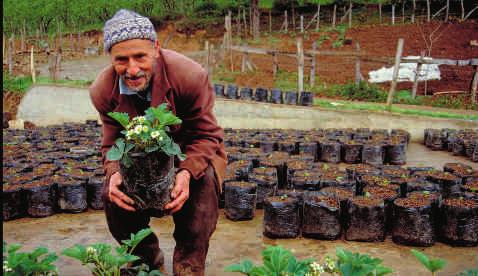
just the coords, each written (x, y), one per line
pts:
(275, 64)
(358, 75)
(270, 21)
(32, 66)
(286, 22)
(447, 10)
(350, 13)
(78, 43)
(417, 75)
(474, 85)
(317, 26)
(462, 10)
(428, 10)
(11, 49)
(393, 14)
(396, 67)
(300, 62)
(313, 65)
(334, 16)
(58, 64)
(301, 24)
(414, 7)
(245, 22)
(380, 12)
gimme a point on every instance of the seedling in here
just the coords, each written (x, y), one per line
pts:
(433, 265)
(351, 264)
(38, 262)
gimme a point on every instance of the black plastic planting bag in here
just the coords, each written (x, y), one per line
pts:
(396, 154)
(240, 200)
(321, 218)
(219, 90)
(12, 202)
(276, 96)
(246, 93)
(231, 92)
(149, 180)
(281, 217)
(352, 152)
(72, 196)
(459, 222)
(290, 97)
(413, 225)
(41, 200)
(330, 151)
(365, 222)
(306, 98)
(266, 186)
(261, 94)
(94, 189)
(373, 154)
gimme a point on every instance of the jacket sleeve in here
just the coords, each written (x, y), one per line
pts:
(203, 135)
(110, 128)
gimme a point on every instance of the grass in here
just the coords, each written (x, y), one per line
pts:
(380, 107)
(22, 84)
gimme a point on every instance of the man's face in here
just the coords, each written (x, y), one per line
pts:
(134, 60)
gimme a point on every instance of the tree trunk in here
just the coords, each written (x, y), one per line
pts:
(414, 4)
(350, 13)
(334, 15)
(317, 26)
(403, 13)
(462, 10)
(380, 12)
(393, 14)
(270, 21)
(428, 10)
(293, 16)
(447, 10)
(255, 19)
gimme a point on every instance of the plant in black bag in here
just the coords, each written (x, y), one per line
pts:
(146, 155)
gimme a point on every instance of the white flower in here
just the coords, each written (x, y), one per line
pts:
(138, 129)
(141, 119)
(129, 133)
(6, 268)
(145, 128)
(154, 134)
(317, 267)
(90, 250)
(160, 138)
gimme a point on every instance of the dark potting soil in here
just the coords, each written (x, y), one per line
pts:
(378, 180)
(281, 217)
(420, 184)
(459, 222)
(305, 180)
(365, 219)
(321, 218)
(13, 204)
(337, 179)
(41, 197)
(240, 200)
(413, 222)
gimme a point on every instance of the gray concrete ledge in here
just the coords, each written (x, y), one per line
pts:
(46, 105)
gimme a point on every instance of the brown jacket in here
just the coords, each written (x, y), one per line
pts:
(184, 85)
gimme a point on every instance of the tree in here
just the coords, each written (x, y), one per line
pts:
(268, 5)
(319, 3)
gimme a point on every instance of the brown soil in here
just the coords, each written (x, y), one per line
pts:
(341, 193)
(241, 184)
(424, 194)
(330, 202)
(458, 202)
(366, 201)
(412, 202)
(380, 192)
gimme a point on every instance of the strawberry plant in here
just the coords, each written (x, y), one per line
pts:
(433, 265)
(35, 263)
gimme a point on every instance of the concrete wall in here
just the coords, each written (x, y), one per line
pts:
(46, 105)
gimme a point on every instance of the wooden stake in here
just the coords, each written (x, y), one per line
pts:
(414, 7)
(32, 66)
(313, 65)
(396, 67)
(317, 26)
(393, 14)
(301, 24)
(286, 22)
(300, 62)
(428, 10)
(447, 10)
(380, 12)
(358, 75)
(334, 16)
(270, 21)
(417, 75)
(462, 10)
(474, 85)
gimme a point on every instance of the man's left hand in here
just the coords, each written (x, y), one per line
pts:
(180, 192)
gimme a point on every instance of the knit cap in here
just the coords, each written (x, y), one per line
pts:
(126, 25)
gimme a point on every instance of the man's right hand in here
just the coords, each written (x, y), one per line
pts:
(118, 197)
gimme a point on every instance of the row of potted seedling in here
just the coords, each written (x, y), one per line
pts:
(463, 142)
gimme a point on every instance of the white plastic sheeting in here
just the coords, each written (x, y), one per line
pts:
(406, 72)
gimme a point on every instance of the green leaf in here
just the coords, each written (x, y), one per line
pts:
(151, 148)
(243, 267)
(137, 238)
(437, 264)
(469, 272)
(422, 258)
(14, 248)
(120, 117)
(381, 270)
(77, 252)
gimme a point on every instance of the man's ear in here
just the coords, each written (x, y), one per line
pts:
(157, 46)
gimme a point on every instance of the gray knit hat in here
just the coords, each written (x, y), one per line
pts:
(125, 25)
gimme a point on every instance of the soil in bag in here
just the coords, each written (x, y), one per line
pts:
(266, 186)
(241, 169)
(71, 195)
(290, 97)
(94, 189)
(305, 180)
(12, 201)
(413, 222)
(352, 152)
(309, 148)
(219, 90)
(231, 92)
(240, 200)
(388, 196)
(336, 178)
(365, 219)
(149, 181)
(276, 96)
(261, 94)
(459, 222)
(449, 184)
(330, 151)
(245, 93)
(290, 146)
(41, 197)
(277, 160)
(321, 217)
(281, 217)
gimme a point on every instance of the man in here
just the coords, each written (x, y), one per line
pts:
(143, 75)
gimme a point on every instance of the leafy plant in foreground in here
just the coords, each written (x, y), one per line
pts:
(356, 264)
(35, 263)
(277, 261)
(433, 265)
(145, 134)
(101, 261)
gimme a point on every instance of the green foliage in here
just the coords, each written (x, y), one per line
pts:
(37, 262)
(356, 264)
(433, 265)
(145, 133)
(277, 261)
(100, 259)
(469, 272)
(363, 91)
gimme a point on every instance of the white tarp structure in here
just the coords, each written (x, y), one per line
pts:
(406, 72)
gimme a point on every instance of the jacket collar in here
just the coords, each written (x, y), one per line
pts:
(161, 85)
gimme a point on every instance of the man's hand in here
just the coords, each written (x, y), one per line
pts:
(118, 197)
(180, 192)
